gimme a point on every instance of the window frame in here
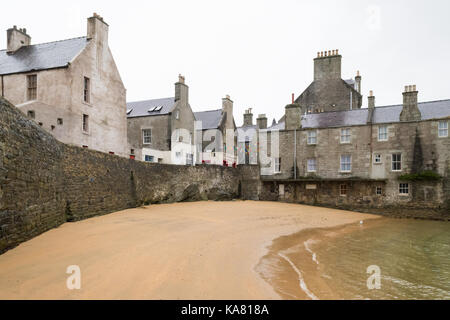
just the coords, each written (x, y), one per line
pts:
(384, 134)
(309, 137)
(402, 187)
(86, 90)
(85, 123)
(343, 189)
(144, 136)
(377, 156)
(150, 157)
(277, 165)
(381, 191)
(443, 129)
(396, 162)
(32, 87)
(342, 163)
(308, 163)
(348, 135)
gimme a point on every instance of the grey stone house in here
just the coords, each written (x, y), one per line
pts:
(216, 135)
(162, 130)
(343, 155)
(72, 88)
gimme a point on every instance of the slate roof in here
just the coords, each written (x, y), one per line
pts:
(140, 108)
(389, 114)
(246, 133)
(210, 119)
(42, 56)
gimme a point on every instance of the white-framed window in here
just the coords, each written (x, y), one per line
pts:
(443, 129)
(403, 188)
(147, 136)
(343, 190)
(149, 158)
(87, 90)
(379, 191)
(177, 114)
(346, 163)
(189, 159)
(396, 162)
(85, 125)
(312, 137)
(377, 158)
(31, 87)
(311, 165)
(382, 133)
(345, 135)
(277, 165)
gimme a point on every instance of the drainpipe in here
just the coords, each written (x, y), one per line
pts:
(351, 100)
(2, 87)
(295, 154)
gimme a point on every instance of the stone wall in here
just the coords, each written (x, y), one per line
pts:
(44, 183)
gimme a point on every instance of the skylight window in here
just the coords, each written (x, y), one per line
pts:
(158, 108)
(152, 109)
(129, 111)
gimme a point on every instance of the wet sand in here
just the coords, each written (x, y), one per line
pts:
(199, 250)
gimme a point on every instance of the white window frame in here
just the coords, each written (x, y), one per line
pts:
(443, 132)
(377, 156)
(312, 137)
(402, 187)
(346, 133)
(277, 165)
(151, 158)
(385, 134)
(314, 162)
(396, 162)
(146, 136)
(344, 163)
(177, 114)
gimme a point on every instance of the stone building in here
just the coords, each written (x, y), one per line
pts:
(216, 135)
(340, 154)
(72, 88)
(162, 130)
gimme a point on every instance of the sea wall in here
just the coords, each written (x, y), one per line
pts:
(44, 183)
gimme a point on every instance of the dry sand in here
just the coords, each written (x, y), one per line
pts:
(200, 250)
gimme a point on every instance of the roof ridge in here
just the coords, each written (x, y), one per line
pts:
(398, 105)
(38, 44)
(150, 100)
(208, 110)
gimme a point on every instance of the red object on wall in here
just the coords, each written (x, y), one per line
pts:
(234, 164)
(111, 152)
(85, 147)
(293, 98)
(203, 162)
(132, 157)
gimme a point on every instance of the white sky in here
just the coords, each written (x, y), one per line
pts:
(259, 52)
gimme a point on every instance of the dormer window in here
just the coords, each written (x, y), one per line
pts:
(31, 87)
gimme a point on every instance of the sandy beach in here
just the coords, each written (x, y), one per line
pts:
(198, 250)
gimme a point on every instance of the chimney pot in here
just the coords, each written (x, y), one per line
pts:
(318, 54)
(293, 98)
(329, 52)
(357, 73)
(371, 93)
(228, 96)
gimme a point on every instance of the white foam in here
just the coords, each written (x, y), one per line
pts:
(423, 288)
(314, 256)
(300, 278)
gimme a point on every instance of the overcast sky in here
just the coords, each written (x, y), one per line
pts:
(258, 52)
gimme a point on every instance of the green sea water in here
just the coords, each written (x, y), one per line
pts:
(413, 258)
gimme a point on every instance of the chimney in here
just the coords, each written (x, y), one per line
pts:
(410, 111)
(227, 108)
(371, 100)
(327, 65)
(274, 122)
(181, 90)
(16, 38)
(293, 114)
(248, 117)
(358, 82)
(261, 121)
(97, 29)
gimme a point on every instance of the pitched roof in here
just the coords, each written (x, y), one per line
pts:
(210, 119)
(42, 56)
(389, 114)
(141, 108)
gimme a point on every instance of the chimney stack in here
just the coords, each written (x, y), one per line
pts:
(410, 111)
(181, 90)
(16, 38)
(371, 99)
(358, 82)
(248, 117)
(261, 121)
(328, 65)
(227, 108)
(97, 29)
(293, 115)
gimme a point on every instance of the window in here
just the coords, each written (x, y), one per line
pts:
(85, 123)
(443, 129)
(377, 158)
(59, 121)
(277, 165)
(178, 154)
(346, 163)
(382, 133)
(32, 87)
(403, 188)
(177, 114)
(311, 165)
(379, 191)
(343, 190)
(312, 137)
(345, 135)
(132, 151)
(87, 90)
(147, 136)
(397, 162)
(31, 114)
(149, 158)
(160, 160)
(189, 159)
